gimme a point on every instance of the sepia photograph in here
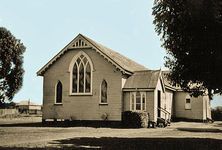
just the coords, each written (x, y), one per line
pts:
(116, 75)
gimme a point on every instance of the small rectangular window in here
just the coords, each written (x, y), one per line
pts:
(187, 100)
(188, 103)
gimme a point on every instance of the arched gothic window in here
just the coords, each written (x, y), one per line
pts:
(103, 92)
(81, 74)
(58, 98)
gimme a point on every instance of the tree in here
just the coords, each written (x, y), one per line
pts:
(11, 69)
(217, 113)
(191, 31)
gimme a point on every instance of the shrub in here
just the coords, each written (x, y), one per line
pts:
(134, 119)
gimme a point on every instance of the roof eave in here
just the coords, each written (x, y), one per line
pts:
(170, 88)
(93, 46)
(124, 71)
(137, 89)
(64, 49)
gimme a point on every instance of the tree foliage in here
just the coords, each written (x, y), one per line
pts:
(217, 113)
(191, 32)
(11, 69)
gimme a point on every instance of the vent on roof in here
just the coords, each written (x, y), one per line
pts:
(80, 43)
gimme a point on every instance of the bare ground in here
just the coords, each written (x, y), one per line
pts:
(27, 133)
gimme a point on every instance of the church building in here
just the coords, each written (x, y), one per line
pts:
(88, 81)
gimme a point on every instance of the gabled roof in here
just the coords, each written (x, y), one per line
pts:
(143, 80)
(124, 64)
(167, 82)
(26, 102)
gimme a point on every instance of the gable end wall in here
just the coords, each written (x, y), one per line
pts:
(82, 107)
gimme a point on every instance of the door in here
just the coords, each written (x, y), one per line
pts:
(158, 103)
(206, 109)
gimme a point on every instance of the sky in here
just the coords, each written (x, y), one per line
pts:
(46, 26)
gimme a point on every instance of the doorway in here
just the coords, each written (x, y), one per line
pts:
(158, 103)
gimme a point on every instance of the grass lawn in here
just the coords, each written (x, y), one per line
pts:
(28, 133)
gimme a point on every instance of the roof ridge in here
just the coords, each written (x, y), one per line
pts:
(102, 46)
(148, 70)
(123, 63)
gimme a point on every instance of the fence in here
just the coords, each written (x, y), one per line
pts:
(4, 112)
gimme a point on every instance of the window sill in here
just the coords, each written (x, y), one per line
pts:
(138, 110)
(80, 94)
(103, 103)
(58, 104)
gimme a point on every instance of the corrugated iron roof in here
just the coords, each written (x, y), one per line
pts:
(120, 61)
(143, 79)
(167, 82)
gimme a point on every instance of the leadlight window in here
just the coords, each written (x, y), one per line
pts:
(81, 74)
(143, 101)
(132, 101)
(103, 92)
(137, 101)
(58, 99)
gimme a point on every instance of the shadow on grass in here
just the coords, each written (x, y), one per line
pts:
(132, 143)
(35, 124)
(95, 124)
(218, 125)
(211, 130)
